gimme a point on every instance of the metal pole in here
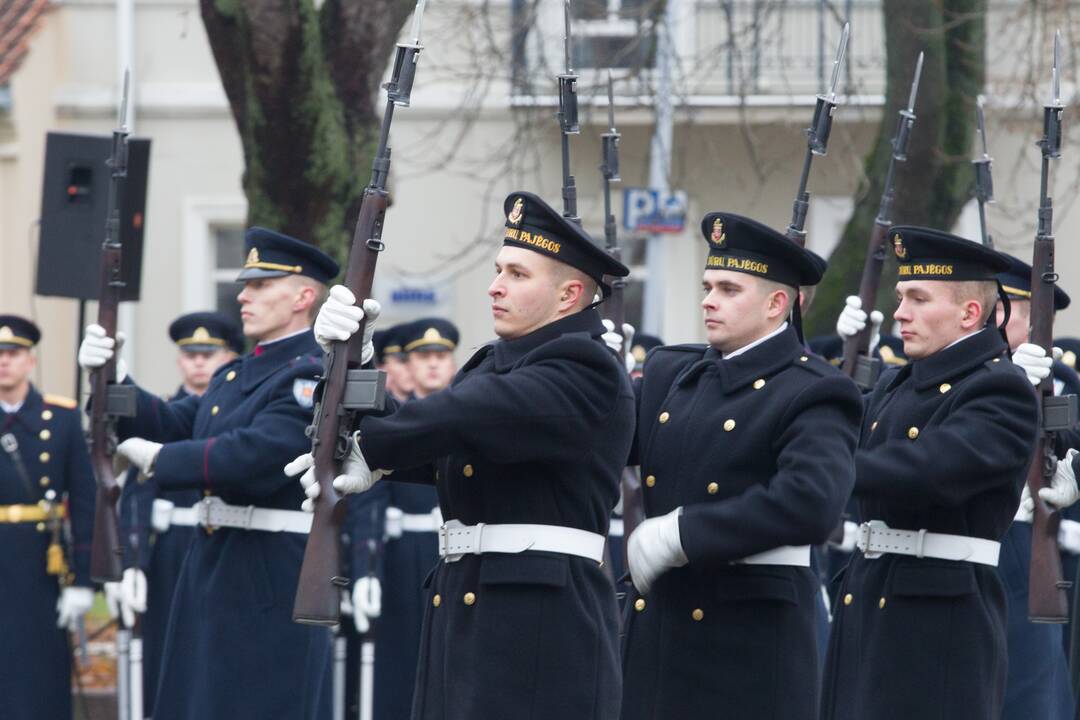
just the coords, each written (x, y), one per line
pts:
(656, 250)
(123, 673)
(367, 680)
(135, 660)
(125, 63)
(339, 674)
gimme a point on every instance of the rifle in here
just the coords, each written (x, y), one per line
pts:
(568, 122)
(1048, 601)
(858, 365)
(109, 400)
(348, 390)
(984, 181)
(817, 143)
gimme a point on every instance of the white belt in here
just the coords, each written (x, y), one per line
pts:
(456, 540)
(876, 539)
(616, 529)
(213, 512)
(796, 555)
(398, 521)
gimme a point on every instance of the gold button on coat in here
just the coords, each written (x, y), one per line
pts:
(913, 432)
(46, 414)
(803, 359)
(881, 603)
(650, 481)
(848, 598)
(664, 417)
(698, 614)
(639, 604)
(44, 457)
(230, 376)
(944, 388)
(712, 488)
(729, 425)
(470, 598)
(215, 410)
(873, 426)
(759, 383)
(40, 527)
(467, 471)
(44, 481)
(437, 600)
(44, 434)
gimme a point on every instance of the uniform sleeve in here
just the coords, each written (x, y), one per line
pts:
(989, 431)
(543, 411)
(802, 503)
(250, 458)
(82, 494)
(159, 420)
(366, 518)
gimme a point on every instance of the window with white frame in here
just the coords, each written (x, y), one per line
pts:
(228, 243)
(613, 33)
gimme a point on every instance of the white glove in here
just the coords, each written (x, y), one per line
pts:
(97, 349)
(366, 602)
(127, 597)
(142, 453)
(1062, 491)
(356, 476)
(1026, 511)
(852, 321)
(655, 547)
(1069, 536)
(339, 318)
(617, 342)
(73, 603)
(1032, 360)
(851, 536)
(161, 514)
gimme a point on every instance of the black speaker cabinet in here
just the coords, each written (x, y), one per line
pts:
(74, 206)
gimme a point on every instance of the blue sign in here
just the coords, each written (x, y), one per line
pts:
(646, 210)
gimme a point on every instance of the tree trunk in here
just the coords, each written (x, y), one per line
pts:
(303, 85)
(936, 181)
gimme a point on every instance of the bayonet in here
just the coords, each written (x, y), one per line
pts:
(984, 181)
(568, 119)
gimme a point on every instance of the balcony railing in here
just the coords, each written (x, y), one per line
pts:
(723, 49)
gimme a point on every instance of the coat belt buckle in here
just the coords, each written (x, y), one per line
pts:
(866, 534)
(455, 540)
(205, 506)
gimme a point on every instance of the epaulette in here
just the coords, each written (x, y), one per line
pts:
(60, 401)
(889, 357)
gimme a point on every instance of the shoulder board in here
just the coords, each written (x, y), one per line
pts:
(815, 363)
(60, 401)
(889, 357)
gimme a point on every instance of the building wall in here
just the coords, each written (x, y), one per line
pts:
(455, 158)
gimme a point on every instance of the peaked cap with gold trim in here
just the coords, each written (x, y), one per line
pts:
(744, 245)
(1016, 282)
(17, 332)
(928, 254)
(206, 332)
(271, 254)
(534, 225)
(427, 334)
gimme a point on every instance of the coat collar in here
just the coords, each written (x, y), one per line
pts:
(954, 361)
(29, 414)
(758, 362)
(254, 369)
(509, 352)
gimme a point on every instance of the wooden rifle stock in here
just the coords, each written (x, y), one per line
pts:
(318, 595)
(859, 345)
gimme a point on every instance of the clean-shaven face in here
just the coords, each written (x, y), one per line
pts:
(15, 368)
(196, 368)
(736, 309)
(930, 316)
(525, 292)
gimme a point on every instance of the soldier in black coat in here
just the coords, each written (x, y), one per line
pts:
(528, 443)
(946, 442)
(45, 480)
(745, 446)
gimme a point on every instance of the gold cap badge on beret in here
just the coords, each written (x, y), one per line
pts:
(8, 336)
(718, 236)
(898, 246)
(253, 261)
(517, 212)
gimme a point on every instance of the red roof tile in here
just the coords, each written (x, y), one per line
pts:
(18, 20)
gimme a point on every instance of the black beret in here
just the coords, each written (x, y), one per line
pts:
(743, 245)
(1016, 282)
(271, 254)
(206, 332)
(927, 254)
(17, 332)
(428, 334)
(534, 225)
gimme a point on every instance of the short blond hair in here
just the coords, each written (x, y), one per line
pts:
(984, 292)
